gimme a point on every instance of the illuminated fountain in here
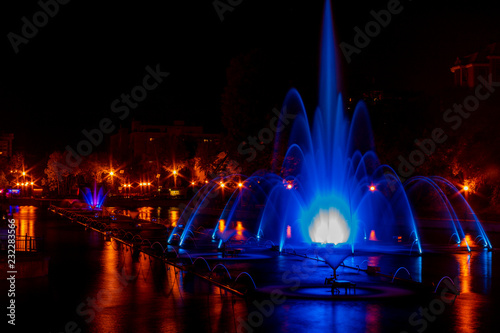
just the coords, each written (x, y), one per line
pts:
(94, 198)
(332, 189)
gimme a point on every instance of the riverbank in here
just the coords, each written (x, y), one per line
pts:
(110, 201)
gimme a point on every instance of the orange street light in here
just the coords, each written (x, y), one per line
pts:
(466, 188)
(372, 188)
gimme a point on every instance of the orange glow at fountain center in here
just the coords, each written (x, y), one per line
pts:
(467, 239)
(288, 231)
(239, 228)
(222, 225)
(373, 237)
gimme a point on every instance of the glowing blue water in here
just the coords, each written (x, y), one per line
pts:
(332, 188)
(95, 198)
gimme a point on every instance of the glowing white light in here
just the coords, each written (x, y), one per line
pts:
(329, 226)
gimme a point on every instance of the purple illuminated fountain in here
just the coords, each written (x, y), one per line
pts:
(333, 190)
(95, 198)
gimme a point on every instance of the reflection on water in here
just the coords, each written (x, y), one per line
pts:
(373, 318)
(132, 292)
(373, 260)
(25, 217)
(155, 215)
(464, 272)
(145, 213)
(475, 284)
(144, 295)
(173, 216)
(486, 262)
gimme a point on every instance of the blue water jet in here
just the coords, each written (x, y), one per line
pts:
(94, 198)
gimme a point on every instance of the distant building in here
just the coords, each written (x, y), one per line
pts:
(467, 69)
(6, 144)
(145, 141)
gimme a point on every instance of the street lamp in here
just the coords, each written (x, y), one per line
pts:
(466, 189)
(174, 172)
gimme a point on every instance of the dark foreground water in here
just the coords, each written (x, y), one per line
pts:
(99, 286)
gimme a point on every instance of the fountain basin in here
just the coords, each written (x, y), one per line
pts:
(364, 291)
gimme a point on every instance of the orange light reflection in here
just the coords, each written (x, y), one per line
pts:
(222, 226)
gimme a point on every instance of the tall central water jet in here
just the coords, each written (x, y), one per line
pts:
(333, 166)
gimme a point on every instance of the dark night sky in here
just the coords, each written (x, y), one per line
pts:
(65, 78)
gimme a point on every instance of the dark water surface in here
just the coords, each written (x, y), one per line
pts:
(99, 286)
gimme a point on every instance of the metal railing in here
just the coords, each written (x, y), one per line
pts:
(23, 243)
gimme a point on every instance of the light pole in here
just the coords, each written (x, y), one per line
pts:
(24, 181)
(466, 191)
(175, 177)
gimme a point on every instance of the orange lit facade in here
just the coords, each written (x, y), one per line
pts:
(486, 62)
